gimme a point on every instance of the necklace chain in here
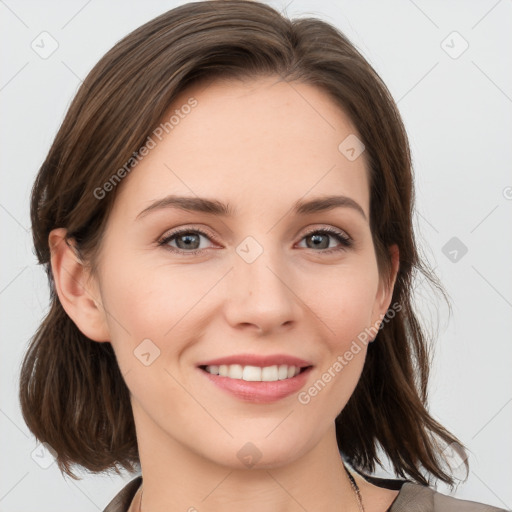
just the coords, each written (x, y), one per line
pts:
(352, 483)
(356, 490)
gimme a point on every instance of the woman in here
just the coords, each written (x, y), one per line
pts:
(225, 218)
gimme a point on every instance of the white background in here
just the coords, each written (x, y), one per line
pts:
(458, 115)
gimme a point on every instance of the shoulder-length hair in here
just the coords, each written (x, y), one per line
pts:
(72, 393)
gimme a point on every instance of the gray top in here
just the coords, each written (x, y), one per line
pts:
(412, 497)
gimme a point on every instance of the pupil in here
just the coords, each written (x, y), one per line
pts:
(188, 243)
(317, 242)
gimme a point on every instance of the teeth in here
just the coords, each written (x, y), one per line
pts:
(254, 373)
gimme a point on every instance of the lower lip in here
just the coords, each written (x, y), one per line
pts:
(259, 392)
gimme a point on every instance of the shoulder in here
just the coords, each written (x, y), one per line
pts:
(414, 497)
(124, 497)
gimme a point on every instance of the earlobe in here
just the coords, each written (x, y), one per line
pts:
(77, 293)
(394, 254)
(386, 288)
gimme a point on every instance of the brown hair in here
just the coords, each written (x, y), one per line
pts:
(72, 393)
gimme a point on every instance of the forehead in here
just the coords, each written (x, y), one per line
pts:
(247, 143)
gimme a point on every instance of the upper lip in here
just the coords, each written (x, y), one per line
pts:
(257, 360)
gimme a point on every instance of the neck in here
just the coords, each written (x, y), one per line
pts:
(314, 479)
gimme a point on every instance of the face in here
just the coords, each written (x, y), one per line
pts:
(182, 287)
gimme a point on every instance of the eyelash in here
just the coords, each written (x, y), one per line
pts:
(345, 241)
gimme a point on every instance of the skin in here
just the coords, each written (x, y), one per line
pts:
(259, 145)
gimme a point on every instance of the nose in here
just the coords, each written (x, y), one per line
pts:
(260, 295)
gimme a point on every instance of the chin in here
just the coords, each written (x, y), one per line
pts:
(259, 452)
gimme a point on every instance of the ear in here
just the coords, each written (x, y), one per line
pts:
(78, 292)
(386, 287)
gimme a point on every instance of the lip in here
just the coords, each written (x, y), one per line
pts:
(259, 392)
(257, 360)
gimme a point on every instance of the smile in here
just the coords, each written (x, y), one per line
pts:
(254, 373)
(256, 384)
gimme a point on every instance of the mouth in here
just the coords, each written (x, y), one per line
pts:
(255, 384)
(251, 373)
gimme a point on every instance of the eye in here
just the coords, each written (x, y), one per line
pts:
(320, 239)
(185, 239)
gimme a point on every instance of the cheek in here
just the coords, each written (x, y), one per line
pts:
(345, 301)
(345, 310)
(159, 304)
(149, 316)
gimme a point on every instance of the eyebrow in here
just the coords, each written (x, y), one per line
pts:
(214, 207)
